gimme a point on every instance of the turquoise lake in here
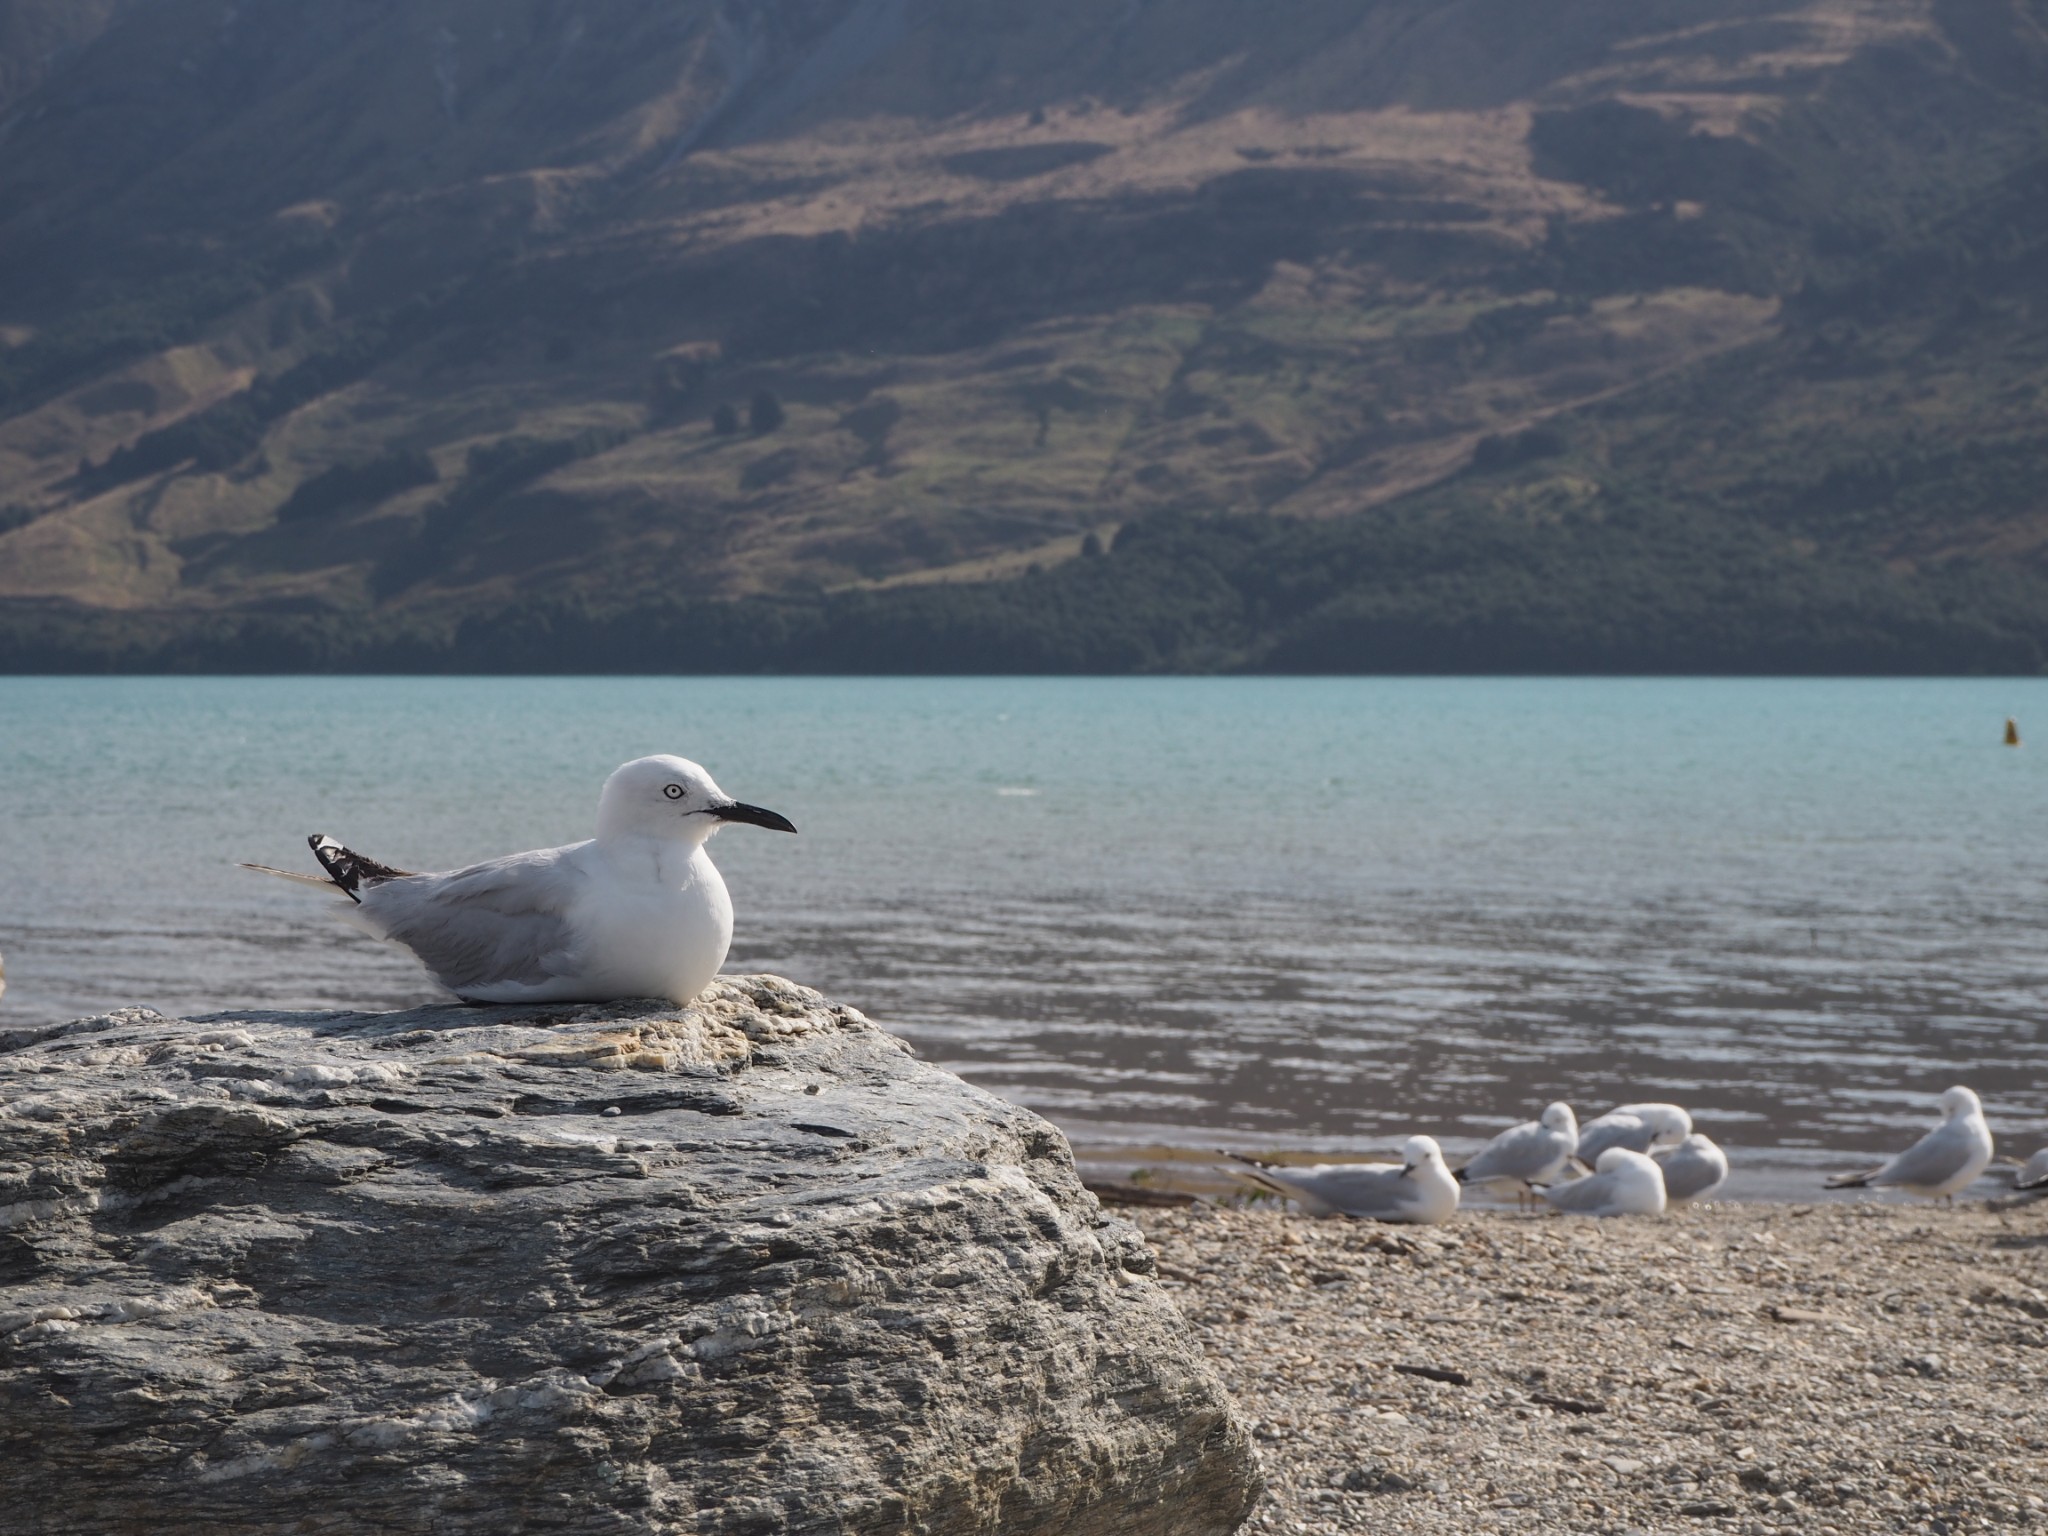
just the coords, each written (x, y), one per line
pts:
(1315, 912)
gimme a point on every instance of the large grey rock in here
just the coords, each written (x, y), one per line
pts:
(746, 1267)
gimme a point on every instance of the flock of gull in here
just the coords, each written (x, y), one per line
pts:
(1635, 1160)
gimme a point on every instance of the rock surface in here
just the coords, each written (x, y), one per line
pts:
(745, 1267)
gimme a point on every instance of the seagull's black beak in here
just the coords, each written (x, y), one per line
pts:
(753, 816)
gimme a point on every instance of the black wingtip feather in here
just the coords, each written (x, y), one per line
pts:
(349, 869)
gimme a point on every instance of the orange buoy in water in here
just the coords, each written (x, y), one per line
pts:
(2012, 732)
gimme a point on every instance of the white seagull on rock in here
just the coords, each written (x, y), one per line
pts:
(637, 911)
(1418, 1190)
(1946, 1159)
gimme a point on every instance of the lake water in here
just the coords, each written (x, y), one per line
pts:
(1258, 912)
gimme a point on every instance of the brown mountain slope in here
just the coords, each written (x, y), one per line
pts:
(1009, 274)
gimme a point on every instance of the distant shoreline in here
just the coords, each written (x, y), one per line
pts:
(1656, 592)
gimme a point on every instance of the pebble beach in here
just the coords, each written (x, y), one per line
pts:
(1827, 1370)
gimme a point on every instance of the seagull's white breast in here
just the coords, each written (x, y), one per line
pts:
(1437, 1194)
(653, 919)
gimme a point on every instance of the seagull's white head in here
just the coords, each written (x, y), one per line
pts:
(1559, 1117)
(1960, 1101)
(1420, 1152)
(672, 797)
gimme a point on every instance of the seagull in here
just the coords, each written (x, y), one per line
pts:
(637, 911)
(1624, 1183)
(1418, 1190)
(1639, 1127)
(1533, 1152)
(2033, 1173)
(1946, 1159)
(1694, 1169)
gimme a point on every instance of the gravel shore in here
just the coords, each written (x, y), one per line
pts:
(1729, 1368)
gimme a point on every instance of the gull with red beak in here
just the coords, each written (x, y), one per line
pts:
(637, 911)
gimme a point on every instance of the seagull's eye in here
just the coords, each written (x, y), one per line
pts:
(673, 791)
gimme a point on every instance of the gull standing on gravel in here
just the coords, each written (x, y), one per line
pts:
(1624, 1184)
(637, 911)
(1946, 1159)
(1638, 1127)
(1419, 1190)
(1693, 1169)
(1533, 1152)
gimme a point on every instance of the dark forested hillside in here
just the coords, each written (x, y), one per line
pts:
(839, 333)
(1640, 592)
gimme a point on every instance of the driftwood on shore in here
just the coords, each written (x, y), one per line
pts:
(745, 1267)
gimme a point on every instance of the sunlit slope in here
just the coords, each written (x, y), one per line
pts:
(310, 306)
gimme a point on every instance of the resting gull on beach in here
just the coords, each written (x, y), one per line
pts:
(2033, 1172)
(1418, 1190)
(1638, 1127)
(637, 911)
(1533, 1152)
(1693, 1169)
(1946, 1159)
(1624, 1183)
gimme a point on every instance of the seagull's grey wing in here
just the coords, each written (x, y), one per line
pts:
(1582, 1197)
(502, 922)
(2035, 1174)
(1520, 1153)
(1614, 1131)
(1940, 1154)
(1352, 1188)
(1688, 1172)
(1375, 1190)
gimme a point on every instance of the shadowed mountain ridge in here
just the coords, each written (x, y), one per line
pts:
(1007, 276)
